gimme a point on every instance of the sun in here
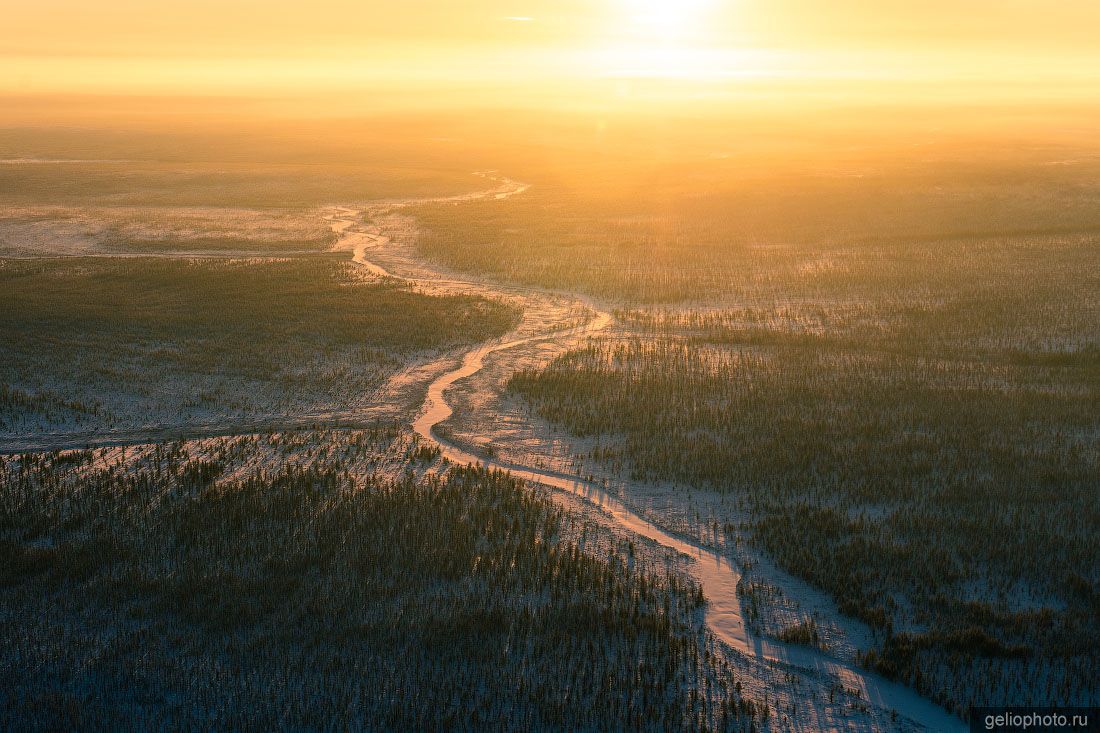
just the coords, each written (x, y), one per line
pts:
(669, 21)
(661, 39)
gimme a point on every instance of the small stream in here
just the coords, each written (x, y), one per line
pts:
(712, 570)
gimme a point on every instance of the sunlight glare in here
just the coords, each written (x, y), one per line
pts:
(662, 39)
(670, 21)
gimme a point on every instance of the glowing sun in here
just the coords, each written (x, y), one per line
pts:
(662, 38)
(676, 21)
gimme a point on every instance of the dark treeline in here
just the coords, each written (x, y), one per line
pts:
(314, 298)
(168, 589)
(179, 338)
(17, 404)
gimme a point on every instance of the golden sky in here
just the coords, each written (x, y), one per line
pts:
(241, 45)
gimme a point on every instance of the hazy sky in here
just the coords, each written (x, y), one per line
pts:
(76, 45)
